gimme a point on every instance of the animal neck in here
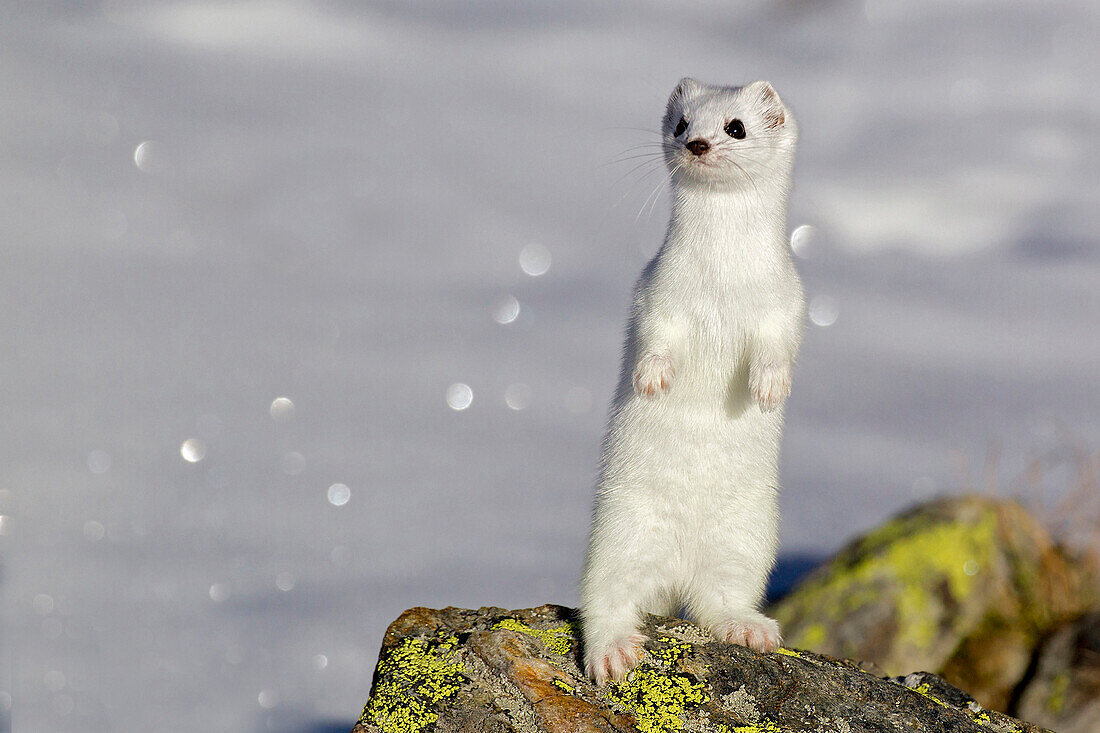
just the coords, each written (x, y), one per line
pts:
(729, 218)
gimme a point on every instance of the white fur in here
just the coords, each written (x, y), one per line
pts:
(686, 502)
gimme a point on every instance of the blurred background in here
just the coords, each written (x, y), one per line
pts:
(311, 310)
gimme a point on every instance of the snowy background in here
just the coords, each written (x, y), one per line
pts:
(206, 206)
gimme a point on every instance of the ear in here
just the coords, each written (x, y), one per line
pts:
(772, 109)
(687, 87)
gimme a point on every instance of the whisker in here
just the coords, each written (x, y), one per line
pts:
(747, 177)
(656, 193)
(646, 146)
(655, 166)
(654, 154)
(639, 165)
(648, 131)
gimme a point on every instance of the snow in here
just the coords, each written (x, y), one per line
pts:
(212, 205)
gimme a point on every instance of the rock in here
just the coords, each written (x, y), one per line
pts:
(965, 587)
(1064, 692)
(492, 671)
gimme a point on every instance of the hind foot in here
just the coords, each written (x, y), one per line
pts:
(616, 659)
(757, 632)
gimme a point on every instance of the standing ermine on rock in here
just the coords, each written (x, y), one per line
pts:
(686, 503)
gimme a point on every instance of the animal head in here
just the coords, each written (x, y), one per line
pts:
(739, 137)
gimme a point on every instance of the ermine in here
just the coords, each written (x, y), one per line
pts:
(686, 512)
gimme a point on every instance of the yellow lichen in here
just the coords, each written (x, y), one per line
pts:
(976, 713)
(413, 679)
(766, 727)
(562, 684)
(672, 651)
(925, 689)
(1058, 686)
(797, 654)
(659, 698)
(558, 639)
(904, 555)
(814, 635)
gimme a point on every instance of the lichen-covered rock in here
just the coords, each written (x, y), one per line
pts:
(965, 587)
(492, 671)
(1064, 692)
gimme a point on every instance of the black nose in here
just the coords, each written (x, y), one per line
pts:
(698, 146)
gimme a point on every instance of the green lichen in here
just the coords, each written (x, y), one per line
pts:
(658, 698)
(413, 679)
(906, 554)
(558, 639)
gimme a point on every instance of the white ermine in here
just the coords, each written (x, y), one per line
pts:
(686, 502)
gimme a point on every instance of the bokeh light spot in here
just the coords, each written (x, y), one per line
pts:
(802, 241)
(99, 461)
(282, 409)
(534, 259)
(193, 450)
(517, 396)
(148, 156)
(824, 311)
(338, 494)
(506, 310)
(293, 463)
(94, 531)
(459, 396)
(43, 604)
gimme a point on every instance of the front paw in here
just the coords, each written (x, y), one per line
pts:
(653, 375)
(771, 385)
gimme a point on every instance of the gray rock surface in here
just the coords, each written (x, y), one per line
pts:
(492, 670)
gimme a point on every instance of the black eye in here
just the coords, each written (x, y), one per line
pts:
(735, 129)
(680, 127)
